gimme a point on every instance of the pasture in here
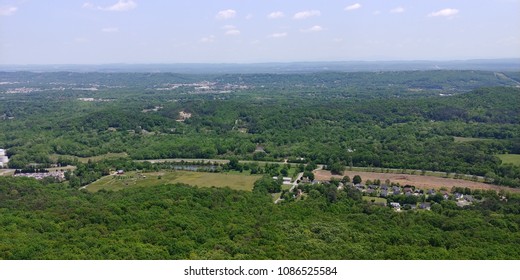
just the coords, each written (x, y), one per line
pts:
(510, 158)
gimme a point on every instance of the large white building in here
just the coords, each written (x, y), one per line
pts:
(3, 158)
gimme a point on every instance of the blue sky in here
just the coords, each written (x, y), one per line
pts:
(244, 31)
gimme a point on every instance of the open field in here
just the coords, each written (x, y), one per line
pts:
(102, 157)
(423, 182)
(94, 158)
(201, 179)
(510, 158)
(376, 199)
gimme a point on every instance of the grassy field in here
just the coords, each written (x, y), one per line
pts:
(102, 157)
(94, 158)
(201, 179)
(510, 158)
(376, 199)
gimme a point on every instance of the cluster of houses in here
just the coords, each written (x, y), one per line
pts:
(59, 175)
(385, 191)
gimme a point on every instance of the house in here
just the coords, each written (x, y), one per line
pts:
(360, 187)
(384, 187)
(395, 205)
(286, 180)
(458, 196)
(384, 193)
(425, 205)
(120, 172)
(431, 192)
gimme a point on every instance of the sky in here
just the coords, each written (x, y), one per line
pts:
(251, 31)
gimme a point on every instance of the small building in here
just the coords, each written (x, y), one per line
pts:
(120, 172)
(425, 205)
(3, 158)
(395, 205)
(384, 193)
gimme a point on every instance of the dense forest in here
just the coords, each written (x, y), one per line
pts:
(183, 222)
(458, 122)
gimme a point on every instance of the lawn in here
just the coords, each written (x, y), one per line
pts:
(510, 158)
(376, 199)
(201, 179)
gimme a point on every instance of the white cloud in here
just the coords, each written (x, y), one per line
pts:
(209, 39)
(120, 6)
(306, 14)
(278, 35)
(233, 32)
(353, 7)
(110, 29)
(444, 13)
(397, 10)
(315, 28)
(276, 14)
(8, 11)
(226, 14)
(88, 5)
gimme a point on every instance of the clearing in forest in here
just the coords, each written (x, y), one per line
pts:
(148, 179)
(510, 158)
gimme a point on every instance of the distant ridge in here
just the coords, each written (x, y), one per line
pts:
(511, 64)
